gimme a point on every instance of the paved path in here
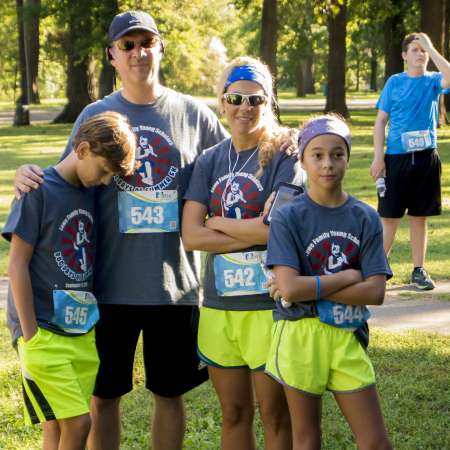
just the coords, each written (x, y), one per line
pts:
(405, 308)
(286, 106)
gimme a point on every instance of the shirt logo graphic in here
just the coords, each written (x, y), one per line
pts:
(239, 198)
(156, 171)
(75, 250)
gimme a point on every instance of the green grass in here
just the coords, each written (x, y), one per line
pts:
(359, 183)
(412, 373)
(42, 144)
(38, 144)
(47, 103)
(412, 368)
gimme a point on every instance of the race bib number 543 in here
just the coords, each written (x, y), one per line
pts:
(148, 211)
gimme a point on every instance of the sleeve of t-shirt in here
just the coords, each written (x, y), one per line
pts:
(373, 260)
(385, 101)
(24, 219)
(437, 78)
(287, 170)
(198, 189)
(281, 247)
(213, 131)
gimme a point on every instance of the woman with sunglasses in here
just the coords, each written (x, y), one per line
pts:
(223, 215)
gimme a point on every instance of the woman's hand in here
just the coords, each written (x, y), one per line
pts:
(272, 285)
(290, 142)
(268, 204)
(213, 223)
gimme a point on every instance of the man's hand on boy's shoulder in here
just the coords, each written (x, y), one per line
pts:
(27, 177)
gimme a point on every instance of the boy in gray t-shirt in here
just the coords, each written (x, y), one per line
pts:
(51, 308)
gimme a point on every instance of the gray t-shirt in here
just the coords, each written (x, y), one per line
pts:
(225, 182)
(150, 268)
(58, 221)
(316, 240)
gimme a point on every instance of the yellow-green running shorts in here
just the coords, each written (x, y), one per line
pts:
(58, 374)
(232, 339)
(311, 356)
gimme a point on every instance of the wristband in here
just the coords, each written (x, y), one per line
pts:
(317, 288)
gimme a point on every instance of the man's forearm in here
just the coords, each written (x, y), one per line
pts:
(441, 63)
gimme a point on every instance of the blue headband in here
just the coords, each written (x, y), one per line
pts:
(250, 73)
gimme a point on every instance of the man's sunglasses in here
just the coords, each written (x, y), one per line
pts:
(128, 45)
(233, 98)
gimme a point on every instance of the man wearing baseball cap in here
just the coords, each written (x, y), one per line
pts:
(145, 280)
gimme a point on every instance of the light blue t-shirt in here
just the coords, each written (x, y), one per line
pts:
(413, 105)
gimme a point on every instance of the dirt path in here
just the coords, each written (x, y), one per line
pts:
(405, 308)
(291, 106)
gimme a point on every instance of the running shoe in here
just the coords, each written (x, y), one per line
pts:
(421, 279)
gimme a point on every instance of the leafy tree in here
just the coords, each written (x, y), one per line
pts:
(76, 40)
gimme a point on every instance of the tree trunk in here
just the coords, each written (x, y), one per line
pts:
(107, 73)
(337, 31)
(394, 32)
(299, 80)
(308, 74)
(106, 78)
(269, 39)
(21, 114)
(358, 72)
(32, 9)
(373, 70)
(80, 86)
(433, 19)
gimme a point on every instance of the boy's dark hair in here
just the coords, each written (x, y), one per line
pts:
(109, 135)
(408, 39)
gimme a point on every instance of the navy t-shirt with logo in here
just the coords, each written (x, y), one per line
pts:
(316, 240)
(241, 197)
(58, 221)
(135, 266)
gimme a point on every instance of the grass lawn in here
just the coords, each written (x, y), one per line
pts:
(412, 368)
(412, 372)
(42, 144)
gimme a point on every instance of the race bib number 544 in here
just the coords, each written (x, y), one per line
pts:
(339, 315)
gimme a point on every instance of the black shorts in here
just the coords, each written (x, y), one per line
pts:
(413, 183)
(169, 345)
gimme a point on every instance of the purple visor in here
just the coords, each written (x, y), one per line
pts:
(323, 125)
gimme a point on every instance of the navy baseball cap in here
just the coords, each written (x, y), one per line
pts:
(128, 21)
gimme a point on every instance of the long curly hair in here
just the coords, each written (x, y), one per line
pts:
(273, 134)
